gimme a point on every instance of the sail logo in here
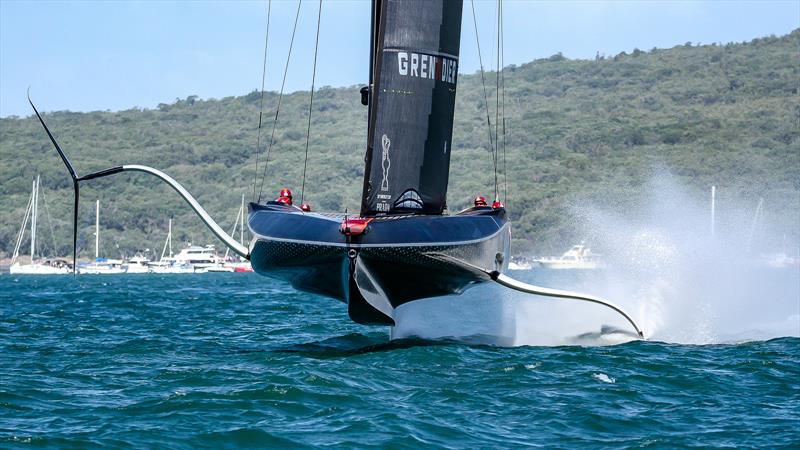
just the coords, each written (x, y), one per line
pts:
(420, 65)
(385, 162)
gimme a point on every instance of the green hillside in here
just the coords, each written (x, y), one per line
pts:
(576, 130)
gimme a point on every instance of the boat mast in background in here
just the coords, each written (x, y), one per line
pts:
(33, 218)
(168, 242)
(97, 230)
(713, 211)
(30, 213)
(239, 217)
(754, 224)
(45, 267)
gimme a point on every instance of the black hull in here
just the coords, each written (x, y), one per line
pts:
(397, 260)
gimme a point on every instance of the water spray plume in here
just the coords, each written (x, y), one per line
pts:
(682, 279)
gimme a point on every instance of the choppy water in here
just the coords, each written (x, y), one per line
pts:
(230, 360)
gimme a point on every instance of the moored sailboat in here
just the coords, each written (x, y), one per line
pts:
(100, 266)
(237, 264)
(167, 262)
(41, 267)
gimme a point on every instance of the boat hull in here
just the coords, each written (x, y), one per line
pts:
(569, 265)
(37, 269)
(397, 259)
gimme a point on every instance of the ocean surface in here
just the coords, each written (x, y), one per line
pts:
(239, 360)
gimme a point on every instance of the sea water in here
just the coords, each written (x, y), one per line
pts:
(240, 360)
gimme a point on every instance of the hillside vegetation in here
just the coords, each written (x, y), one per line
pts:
(576, 131)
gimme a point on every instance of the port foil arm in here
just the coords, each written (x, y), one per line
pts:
(238, 248)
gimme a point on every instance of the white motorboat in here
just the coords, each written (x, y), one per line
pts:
(220, 268)
(168, 264)
(520, 263)
(102, 266)
(137, 264)
(577, 257)
(201, 258)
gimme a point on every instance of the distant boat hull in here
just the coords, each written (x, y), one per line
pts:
(519, 266)
(170, 268)
(137, 268)
(569, 265)
(37, 269)
(244, 267)
(101, 269)
(219, 268)
(397, 259)
(579, 257)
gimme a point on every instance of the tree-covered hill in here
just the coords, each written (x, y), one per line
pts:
(576, 131)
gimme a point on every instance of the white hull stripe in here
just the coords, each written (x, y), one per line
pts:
(410, 244)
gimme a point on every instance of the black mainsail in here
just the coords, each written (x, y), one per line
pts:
(412, 100)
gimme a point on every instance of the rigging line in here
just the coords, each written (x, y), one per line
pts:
(21, 233)
(310, 105)
(50, 224)
(503, 100)
(261, 103)
(233, 230)
(497, 91)
(280, 97)
(485, 98)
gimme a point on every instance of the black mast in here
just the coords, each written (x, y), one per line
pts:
(413, 74)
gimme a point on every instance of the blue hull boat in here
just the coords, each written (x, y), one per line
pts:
(393, 260)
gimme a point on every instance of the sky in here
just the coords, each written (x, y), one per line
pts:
(104, 55)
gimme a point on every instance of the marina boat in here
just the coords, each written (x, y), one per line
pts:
(577, 257)
(167, 263)
(241, 267)
(100, 266)
(236, 264)
(201, 259)
(42, 267)
(779, 261)
(221, 268)
(520, 264)
(137, 264)
(403, 245)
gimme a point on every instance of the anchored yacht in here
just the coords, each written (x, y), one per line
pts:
(577, 257)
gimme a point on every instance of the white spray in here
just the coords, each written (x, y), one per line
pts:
(682, 271)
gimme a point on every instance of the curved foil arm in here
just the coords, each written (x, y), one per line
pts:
(237, 248)
(538, 290)
(517, 285)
